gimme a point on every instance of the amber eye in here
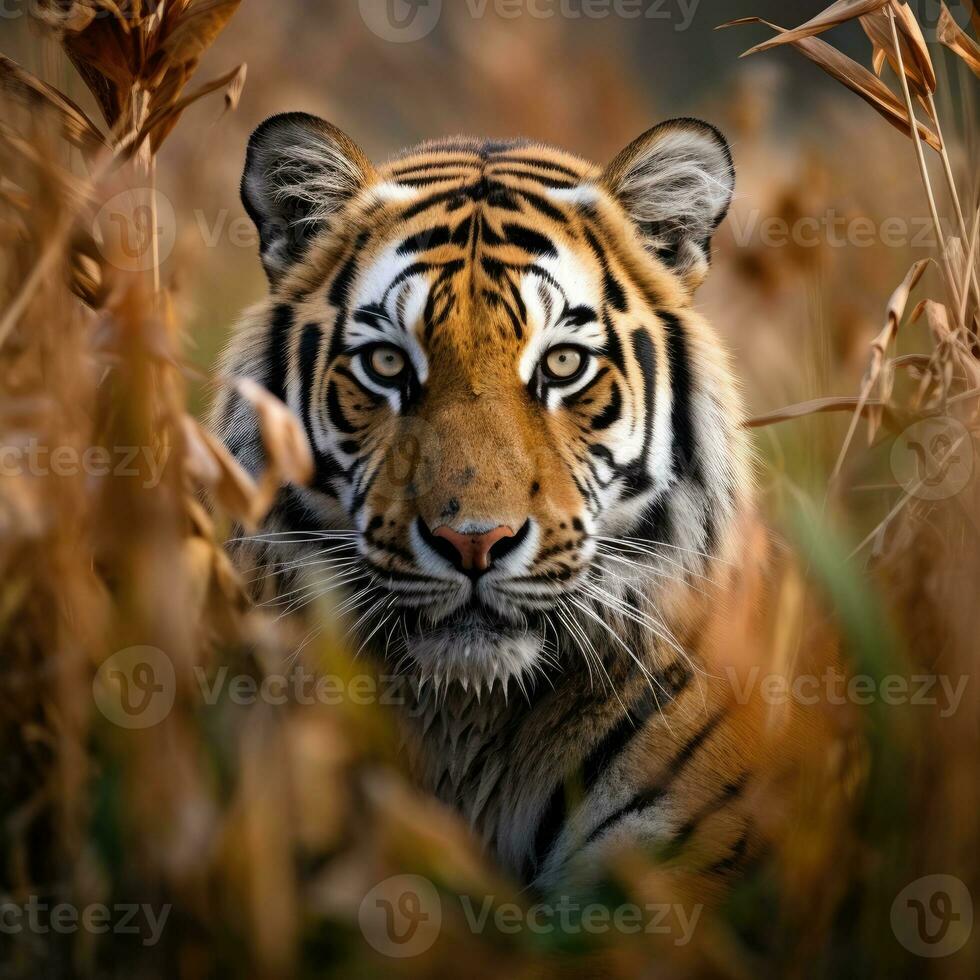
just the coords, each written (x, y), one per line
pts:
(564, 363)
(386, 363)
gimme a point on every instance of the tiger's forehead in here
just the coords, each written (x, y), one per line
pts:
(459, 160)
(477, 243)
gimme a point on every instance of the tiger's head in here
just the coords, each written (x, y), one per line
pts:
(523, 431)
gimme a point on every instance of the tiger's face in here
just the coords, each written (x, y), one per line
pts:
(515, 412)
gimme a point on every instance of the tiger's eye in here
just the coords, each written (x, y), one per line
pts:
(387, 362)
(562, 363)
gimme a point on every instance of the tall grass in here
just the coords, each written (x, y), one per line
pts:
(262, 826)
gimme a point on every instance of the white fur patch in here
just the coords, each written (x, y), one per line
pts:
(580, 194)
(390, 191)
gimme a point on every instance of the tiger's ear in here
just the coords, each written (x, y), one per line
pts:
(299, 171)
(676, 183)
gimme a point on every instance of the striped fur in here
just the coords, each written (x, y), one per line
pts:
(565, 701)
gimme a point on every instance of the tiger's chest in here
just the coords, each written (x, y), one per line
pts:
(546, 775)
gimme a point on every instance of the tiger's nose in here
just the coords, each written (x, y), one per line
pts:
(473, 550)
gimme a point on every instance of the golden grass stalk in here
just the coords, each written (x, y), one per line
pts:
(854, 76)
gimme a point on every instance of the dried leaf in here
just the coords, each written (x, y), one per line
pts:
(915, 53)
(77, 128)
(208, 462)
(196, 29)
(813, 407)
(910, 34)
(958, 41)
(836, 13)
(937, 317)
(899, 300)
(287, 449)
(71, 16)
(163, 120)
(14, 195)
(855, 77)
(288, 457)
(878, 57)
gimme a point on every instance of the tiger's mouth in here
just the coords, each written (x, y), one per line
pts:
(474, 647)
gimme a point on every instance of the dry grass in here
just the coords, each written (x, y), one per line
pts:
(263, 826)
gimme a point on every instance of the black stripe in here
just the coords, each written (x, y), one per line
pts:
(399, 576)
(681, 421)
(309, 350)
(612, 412)
(550, 825)
(419, 268)
(292, 512)
(602, 755)
(541, 204)
(325, 466)
(498, 301)
(648, 797)
(541, 163)
(515, 295)
(559, 183)
(335, 413)
(340, 287)
(613, 345)
(613, 291)
(529, 240)
(428, 165)
(656, 525)
(276, 351)
(734, 859)
(617, 739)
(434, 200)
(423, 240)
(577, 397)
(429, 181)
(729, 793)
(637, 474)
(374, 399)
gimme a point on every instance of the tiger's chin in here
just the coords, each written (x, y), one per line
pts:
(478, 651)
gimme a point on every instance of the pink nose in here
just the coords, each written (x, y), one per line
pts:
(474, 549)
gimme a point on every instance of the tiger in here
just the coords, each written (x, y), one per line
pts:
(532, 486)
